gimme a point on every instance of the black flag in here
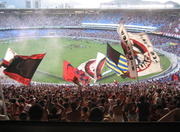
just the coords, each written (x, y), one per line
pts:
(23, 68)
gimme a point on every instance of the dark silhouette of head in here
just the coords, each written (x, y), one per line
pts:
(35, 112)
(73, 106)
(23, 116)
(118, 102)
(85, 109)
(54, 111)
(96, 114)
(142, 99)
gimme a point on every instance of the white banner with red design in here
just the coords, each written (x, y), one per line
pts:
(147, 60)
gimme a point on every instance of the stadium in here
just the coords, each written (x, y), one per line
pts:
(76, 35)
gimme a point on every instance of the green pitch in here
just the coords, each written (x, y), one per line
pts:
(59, 49)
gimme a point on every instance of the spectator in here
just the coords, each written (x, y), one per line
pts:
(35, 113)
(96, 114)
(75, 114)
(143, 109)
(118, 111)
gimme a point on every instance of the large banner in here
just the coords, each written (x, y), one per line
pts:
(22, 68)
(128, 50)
(147, 60)
(93, 67)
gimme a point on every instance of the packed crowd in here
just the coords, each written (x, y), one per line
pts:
(165, 44)
(143, 101)
(165, 20)
(172, 27)
(115, 102)
(157, 41)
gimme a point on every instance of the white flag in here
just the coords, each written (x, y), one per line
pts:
(8, 56)
(93, 67)
(147, 60)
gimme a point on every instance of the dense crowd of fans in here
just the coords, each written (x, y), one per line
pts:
(143, 101)
(157, 41)
(164, 21)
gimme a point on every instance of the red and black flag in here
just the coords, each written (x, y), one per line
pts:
(69, 73)
(85, 80)
(22, 68)
(74, 75)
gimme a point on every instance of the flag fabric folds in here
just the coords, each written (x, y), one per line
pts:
(69, 72)
(116, 61)
(147, 61)
(8, 57)
(22, 68)
(88, 67)
(100, 61)
(82, 77)
(72, 74)
(128, 50)
(93, 67)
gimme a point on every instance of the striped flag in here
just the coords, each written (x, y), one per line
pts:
(116, 61)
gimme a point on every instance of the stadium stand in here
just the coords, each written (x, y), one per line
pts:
(57, 101)
(107, 102)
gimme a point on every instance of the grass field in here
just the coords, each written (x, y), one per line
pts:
(59, 49)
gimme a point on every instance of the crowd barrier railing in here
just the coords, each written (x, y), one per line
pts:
(172, 116)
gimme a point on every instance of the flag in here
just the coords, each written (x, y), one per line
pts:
(100, 61)
(147, 61)
(68, 72)
(82, 77)
(88, 67)
(93, 67)
(22, 68)
(72, 74)
(116, 61)
(128, 50)
(8, 57)
(175, 77)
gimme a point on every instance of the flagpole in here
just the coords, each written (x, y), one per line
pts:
(80, 90)
(3, 101)
(137, 78)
